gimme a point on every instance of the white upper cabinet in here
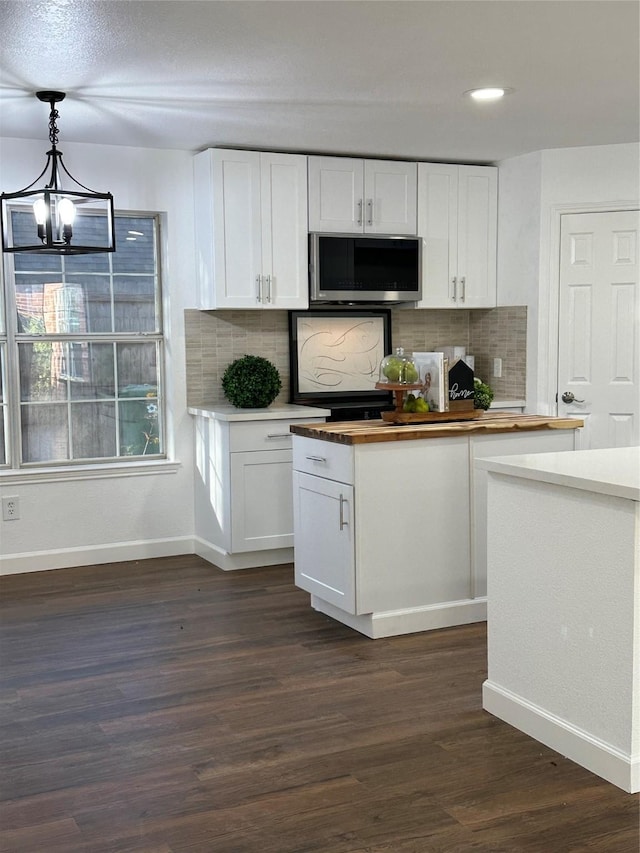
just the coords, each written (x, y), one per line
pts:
(251, 229)
(457, 221)
(353, 196)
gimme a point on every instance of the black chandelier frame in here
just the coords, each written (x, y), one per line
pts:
(52, 234)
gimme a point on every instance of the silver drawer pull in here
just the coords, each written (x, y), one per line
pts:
(343, 523)
(278, 435)
(316, 458)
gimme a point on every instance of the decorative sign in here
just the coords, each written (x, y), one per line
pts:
(460, 386)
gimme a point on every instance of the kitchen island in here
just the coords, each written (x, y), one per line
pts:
(564, 604)
(390, 521)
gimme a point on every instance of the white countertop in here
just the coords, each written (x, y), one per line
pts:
(612, 471)
(281, 411)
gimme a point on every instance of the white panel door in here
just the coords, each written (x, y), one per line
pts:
(477, 236)
(599, 326)
(285, 283)
(261, 500)
(323, 523)
(438, 228)
(390, 197)
(237, 229)
(335, 194)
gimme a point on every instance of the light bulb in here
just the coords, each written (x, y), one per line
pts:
(489, 94)
(66, 211)
(40, 211)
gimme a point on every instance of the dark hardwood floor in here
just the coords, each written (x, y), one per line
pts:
(165, 706)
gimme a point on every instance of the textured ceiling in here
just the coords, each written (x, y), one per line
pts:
(379, 78)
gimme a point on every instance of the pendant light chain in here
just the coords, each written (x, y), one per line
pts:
(53, 127)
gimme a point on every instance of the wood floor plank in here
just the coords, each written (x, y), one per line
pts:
(164, 706)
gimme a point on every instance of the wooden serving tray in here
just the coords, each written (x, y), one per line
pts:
(429, 417)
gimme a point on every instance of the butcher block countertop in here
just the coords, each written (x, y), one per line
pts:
(366, 432)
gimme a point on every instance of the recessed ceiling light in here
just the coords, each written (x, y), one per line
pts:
(492, 93)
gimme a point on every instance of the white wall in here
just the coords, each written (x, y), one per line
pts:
(533, 189)
(99, 520)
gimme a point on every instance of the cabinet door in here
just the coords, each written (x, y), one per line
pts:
(390, 197)
(477, 240)
(438, 228)
(285, 279)
(261, 500)
(228, 228)
(336, 195)
(323, 522)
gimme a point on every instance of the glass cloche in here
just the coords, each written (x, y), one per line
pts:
(398, 369)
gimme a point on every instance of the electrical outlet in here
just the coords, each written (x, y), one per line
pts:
(11, 508)
(497, 367)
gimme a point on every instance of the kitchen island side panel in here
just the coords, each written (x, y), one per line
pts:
(412, 524)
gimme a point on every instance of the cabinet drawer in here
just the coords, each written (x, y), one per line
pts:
(323, 458)
(262, 435)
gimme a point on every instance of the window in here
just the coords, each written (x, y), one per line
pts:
(81, 352)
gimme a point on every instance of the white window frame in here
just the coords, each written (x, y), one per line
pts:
(14, 470)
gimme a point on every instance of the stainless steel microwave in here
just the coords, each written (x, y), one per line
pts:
(357, 268)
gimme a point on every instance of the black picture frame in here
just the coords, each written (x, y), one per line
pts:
(348, 375)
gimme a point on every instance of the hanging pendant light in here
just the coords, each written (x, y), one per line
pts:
(57, 220)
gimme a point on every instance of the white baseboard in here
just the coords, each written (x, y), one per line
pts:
(118, 552)
(89, 555)
(586, 750)
(249, 560)
(391, 623)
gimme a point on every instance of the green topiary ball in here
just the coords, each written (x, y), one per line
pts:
(482, 394)
(251, 382)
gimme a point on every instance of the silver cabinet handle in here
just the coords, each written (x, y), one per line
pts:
(359, 211)
(568, 397)
(278, 435)
(454, 289)
(268, 282)
(370, 208)
(258, 288)
(343, 523)
(316, 458)
(463, 283)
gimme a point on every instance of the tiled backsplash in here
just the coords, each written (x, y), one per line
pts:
(216, 338)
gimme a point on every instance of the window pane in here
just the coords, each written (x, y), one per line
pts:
(91, 263)
(30, 303)
(137, 366)
(94, 370)
(139, 427)
(135, 245)
(95, 309)
(93, 430)
(45, 434)
(134, 303)
(41, 371)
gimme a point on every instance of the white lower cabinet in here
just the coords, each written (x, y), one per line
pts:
(390, 537)
(243, 484)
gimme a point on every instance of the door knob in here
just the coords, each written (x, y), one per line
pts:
(568, 397)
